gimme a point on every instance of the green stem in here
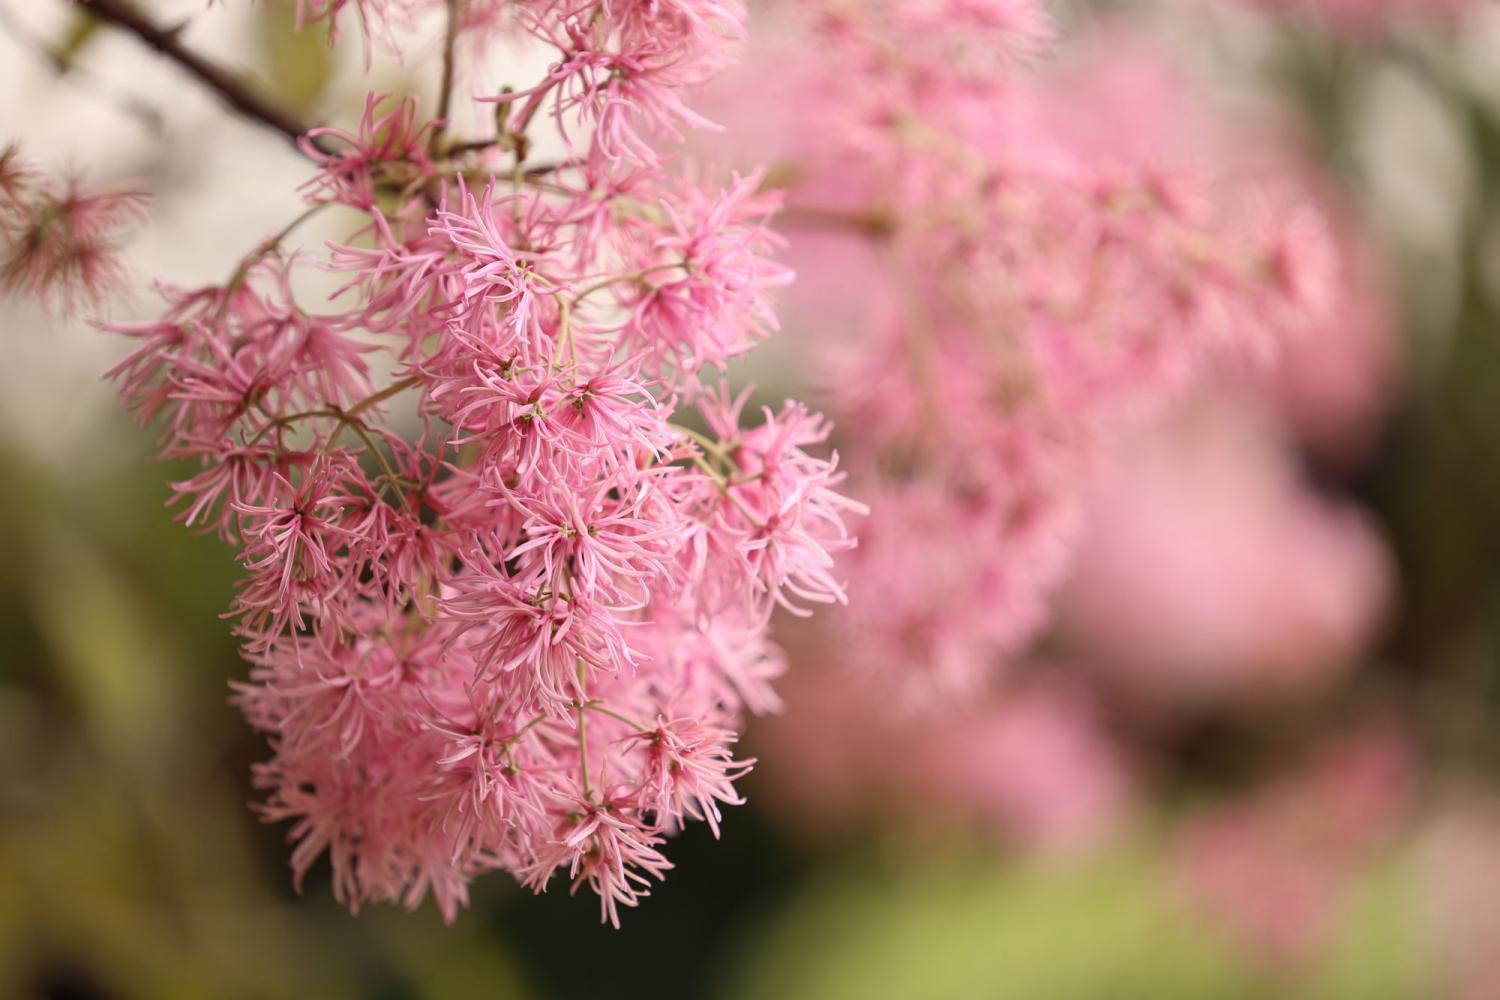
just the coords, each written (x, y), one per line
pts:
(598, 706)
(583, 743)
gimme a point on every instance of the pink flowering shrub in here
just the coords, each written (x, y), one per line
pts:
(503, 611)
(1016, 271)
(512, 545)
(1042, 258)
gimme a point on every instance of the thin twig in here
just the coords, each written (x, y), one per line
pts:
(232, 91)
(445, 88)
(872, 223)
(130, 105)
(583, 740)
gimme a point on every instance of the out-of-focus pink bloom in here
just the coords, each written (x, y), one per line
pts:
(943, 587)
(1335, 385)
(1210, 576)
(1016, 269)
(1037, 768)
(1275, 868)
(1037, 259)
(1032, 767)
(1460, 895)
(59, 242)
(385, 21)
(984, 384)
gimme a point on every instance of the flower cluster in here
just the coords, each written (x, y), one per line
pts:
(1049, 287)
(58, 241)
(1056, 253)
(503, 612)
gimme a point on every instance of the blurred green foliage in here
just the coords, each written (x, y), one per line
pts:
(129, 863)
(1111, 927)
(298, 64)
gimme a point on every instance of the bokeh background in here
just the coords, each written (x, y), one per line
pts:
(1258, 755)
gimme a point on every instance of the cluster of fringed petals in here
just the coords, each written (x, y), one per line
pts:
(1044, 266)
(503, 612)
(59, 241)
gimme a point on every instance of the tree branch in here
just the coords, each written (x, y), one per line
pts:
(63, 64)
(445, 86)
(231, 91)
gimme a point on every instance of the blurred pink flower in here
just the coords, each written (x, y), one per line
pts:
(1335, 385)
(1036, 767)
(1274, 868)
(1460, 872)
(1007, 265)
(1032, 767)
(1210, 576)
(59, 240)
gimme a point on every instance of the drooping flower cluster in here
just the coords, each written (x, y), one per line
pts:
(58, 240)
(1055, 253)
(1026, 263)
(502, 611)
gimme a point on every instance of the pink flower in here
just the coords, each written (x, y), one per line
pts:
(610, 548)
(1212, 577)
(388, 148)
(478, 548)
(689, 770)
(704, 272)
(782, 505)
(608, 853)
(59, 243)
(1275, 868)
(1033, 768)
(1053, 255)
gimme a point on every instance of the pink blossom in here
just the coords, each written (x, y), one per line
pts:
(1051, 254)
(704, 275)
(607, 853)
(1212, 576)
(503, 611)
(59, 242)
(689, 771)
(1033, 768)
(1275, 868)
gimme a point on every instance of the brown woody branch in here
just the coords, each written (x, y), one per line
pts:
(231, 90)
